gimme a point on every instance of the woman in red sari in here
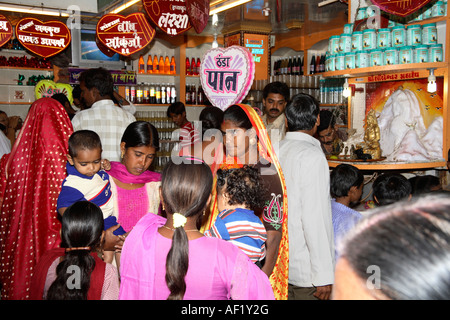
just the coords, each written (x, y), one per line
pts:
(31, 177)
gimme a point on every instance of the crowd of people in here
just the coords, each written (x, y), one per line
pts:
(248, 208)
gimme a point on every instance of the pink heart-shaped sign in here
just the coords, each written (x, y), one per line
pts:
(125, 35)
(227, 75)
(45, 39)
(198, 12)
(170, 16)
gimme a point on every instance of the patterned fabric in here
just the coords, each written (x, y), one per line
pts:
(108, 121)
(30, 185)
(188, 135)
(279, 276)
(242, 228)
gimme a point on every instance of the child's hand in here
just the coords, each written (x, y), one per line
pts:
(106, 165)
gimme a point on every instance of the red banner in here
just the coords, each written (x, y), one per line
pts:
(6, 30)
(401, 8)
(45, 39)
(198, 12)
(170, 16)
(125, 35)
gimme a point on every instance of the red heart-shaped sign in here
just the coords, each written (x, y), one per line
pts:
(125, 35)
(6, 30)
(400, 8)
(45, 39)
(198, 12)
(170, 16)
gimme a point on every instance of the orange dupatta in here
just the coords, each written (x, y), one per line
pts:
(279, 276)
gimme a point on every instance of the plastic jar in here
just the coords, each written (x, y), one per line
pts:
(345, 42)
(436, 53)
(421, 53)
(349, 60)
(398, 36)
(390, 56)
(340, 61)
(357, 40)
(348, 28)
(369, 39)
(361, 59)
(376, 58)
(414, 35)
(405, 55)
(333, 44)
(384, 38)
(429, 33)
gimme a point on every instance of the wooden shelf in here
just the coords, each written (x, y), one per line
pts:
(390, 165)
(364, 72)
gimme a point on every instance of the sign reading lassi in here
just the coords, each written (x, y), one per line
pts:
(169, 15)
(227, 75)
(125, 35)
(45, 39)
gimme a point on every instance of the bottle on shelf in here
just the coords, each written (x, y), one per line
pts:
(193, 66)
(127, 93)
(198, 66)
(200, 99)
(289, 66)
(158, 94)
(173, 66)
(146, 98)
(188, 94)
(312, 66)
(161, 64)
(152, 98)
(155, 64)
(173, 94)
(301, 66)
(317, 65)
(133, 94)
(139, 93)
(141, 64)
(149, 64)
(168, 93)
(188, 67)
(163, 94)
(167, 65)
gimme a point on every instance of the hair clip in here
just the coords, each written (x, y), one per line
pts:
(178, 220)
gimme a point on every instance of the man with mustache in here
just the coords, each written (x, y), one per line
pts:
(328, 133)
(275, 99)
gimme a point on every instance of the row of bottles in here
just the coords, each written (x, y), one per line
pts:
(317, 64)
(196, 95)
(145, 93)
(157, 66)
(193, 67)
(288, 66)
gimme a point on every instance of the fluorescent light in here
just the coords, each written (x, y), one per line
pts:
(124, 6)
(34, 10)
(225, 5)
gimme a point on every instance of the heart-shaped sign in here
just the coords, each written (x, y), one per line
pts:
(198, 12)
(6, 30)
(45, 39)
(401, 8)
(125, 35)
(170, 16)
(227, 75)
(47, 88)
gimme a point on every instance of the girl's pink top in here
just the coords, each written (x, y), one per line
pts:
(218, 270)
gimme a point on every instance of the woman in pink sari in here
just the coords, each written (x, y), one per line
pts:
(171, 259)
(31, 177)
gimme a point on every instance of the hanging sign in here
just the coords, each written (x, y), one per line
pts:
(47, 88)
(45, 39)
(170, 16)
(227, 75)
(198, 12)
(6, 30)
(401, 8)
(125, 35)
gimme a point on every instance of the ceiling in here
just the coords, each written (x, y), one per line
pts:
(276, 16)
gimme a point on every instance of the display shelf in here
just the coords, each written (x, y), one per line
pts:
(397, 68)
(391, 165)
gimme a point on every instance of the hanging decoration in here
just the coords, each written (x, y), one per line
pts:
(227, 75)
(170, 16)
(124, 35)
(6, 30)
(401, 8)
(198, 12)
(47, 88)
(45, 39)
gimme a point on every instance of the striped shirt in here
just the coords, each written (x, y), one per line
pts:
(242, 228)
(188, 135)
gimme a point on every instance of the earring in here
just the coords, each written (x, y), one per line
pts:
(122, 154)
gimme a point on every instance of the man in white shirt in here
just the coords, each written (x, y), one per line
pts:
(275, 99)
(103, 117)
(310, 228)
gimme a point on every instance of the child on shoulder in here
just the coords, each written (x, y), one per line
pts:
(87, 181)
(239, 192)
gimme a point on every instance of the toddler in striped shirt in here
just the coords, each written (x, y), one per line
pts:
(239, 192)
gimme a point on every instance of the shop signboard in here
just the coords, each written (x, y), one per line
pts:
(120, 77)
(6, 30)
(170, 16)
(45, 39)
(226, 75)
(198, 12)
(125, 35)
(401, 8)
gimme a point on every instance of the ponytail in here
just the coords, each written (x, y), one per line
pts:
(177, 264)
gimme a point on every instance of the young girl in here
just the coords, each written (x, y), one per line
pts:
(239, 192)
(74, 271)
(170, 259)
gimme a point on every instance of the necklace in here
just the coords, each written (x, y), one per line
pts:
(184, 230)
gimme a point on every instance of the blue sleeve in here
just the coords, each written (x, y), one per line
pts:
(68, 196)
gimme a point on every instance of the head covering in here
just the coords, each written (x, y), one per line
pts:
(31, 178)
(120, 172)
(279, 276)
